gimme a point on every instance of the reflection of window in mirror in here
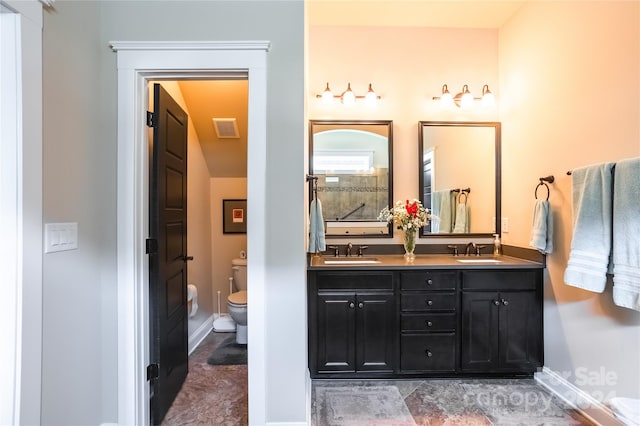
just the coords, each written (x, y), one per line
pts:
(352, 161)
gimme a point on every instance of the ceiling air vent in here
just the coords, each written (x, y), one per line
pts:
(226, 128)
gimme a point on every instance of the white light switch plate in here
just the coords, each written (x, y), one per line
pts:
(60, 236)
(505, 224)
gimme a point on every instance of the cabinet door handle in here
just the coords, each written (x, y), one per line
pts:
(429, 324)
(352, 305)
(428, 353)
(429, 281)
(496, 302)
(505, 302)
(360, 305)
(430, 302)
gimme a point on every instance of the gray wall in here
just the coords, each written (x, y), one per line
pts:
(80, 171)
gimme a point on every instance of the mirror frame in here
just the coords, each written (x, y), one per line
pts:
(497, 126)
(346, 123)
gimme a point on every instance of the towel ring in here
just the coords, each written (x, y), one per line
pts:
(538, 186)
(460, 197)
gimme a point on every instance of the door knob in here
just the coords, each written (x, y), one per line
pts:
(429, 323)
(429, 281)
(429, 302)
(496, 302)
(428, 353)
(187, 258)
(505, 302)
(352, 305)
(360, 305)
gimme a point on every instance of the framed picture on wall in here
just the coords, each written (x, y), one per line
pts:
(234, 216)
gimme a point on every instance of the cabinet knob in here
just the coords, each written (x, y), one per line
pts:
(429, 302)
(428, 353)
(429, 324)
(352, 305)
(505, 302)
(360, 305)
(429, 281)
(496, 302)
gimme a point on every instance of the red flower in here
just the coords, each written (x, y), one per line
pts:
(412, 209)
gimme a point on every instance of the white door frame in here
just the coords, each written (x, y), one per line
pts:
(21, 211)
(139, 62)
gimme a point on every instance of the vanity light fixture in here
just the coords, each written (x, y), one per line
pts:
(348, 97)
(465, 99)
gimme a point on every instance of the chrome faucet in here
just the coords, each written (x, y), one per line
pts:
(349, 248)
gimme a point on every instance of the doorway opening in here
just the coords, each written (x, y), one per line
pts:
(138, 63)
(194, 174)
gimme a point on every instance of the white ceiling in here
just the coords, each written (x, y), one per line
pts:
(208, 99)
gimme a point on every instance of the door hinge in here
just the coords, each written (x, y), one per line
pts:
(153, 371)
(152, 246)
(152, 119)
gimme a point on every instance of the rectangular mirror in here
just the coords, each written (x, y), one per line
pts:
(459, 177)
(353, 163)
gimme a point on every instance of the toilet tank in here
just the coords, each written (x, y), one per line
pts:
(239, 267)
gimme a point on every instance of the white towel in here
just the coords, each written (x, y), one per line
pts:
(542, 229)
(591, 242)
(626, 234)
(462, 219)
(316, 227)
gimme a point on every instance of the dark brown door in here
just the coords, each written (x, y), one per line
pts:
(168, 255)
(375, 332)
(336, 332)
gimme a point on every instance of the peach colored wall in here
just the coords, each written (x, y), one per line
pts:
(407, 67)
(225, 247)
(570, 97)
(198, 213)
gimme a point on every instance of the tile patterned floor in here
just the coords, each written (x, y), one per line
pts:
(217, 395)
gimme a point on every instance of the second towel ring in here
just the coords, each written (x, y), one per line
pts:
(538, 186)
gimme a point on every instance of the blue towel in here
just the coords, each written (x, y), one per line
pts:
(462, 219)
(626, 234)
(542, 229)
(316, 227)
(592, 215)
(442, 207)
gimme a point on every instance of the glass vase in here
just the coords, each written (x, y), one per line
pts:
(409, 244)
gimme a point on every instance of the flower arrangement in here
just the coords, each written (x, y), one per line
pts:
(406, 215)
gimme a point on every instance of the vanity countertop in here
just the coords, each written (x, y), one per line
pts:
(421, 261)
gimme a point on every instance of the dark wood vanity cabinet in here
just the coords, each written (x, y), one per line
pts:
(424, 322)
(354, 323)
(428, 321)
(501, 321)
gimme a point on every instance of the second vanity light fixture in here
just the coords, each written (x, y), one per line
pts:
(465, 99)
(348, 97)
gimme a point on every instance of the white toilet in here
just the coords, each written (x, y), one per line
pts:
(237, 302)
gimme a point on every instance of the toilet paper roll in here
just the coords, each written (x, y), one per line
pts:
(243, 254)
(192, 296)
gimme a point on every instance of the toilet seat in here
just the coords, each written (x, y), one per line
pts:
(238, 298)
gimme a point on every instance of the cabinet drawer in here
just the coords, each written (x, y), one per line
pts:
(428, 301)
(428, 352)
(354, 280)
(428, 322)
(501, 280)
(428, 280)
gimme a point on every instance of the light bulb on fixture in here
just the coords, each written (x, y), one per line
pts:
(371, 99)
(327, 96)
(488, 100)
(446, 99)
(467, 98)
(348, 97)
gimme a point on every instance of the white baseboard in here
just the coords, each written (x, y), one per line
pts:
(199, 335)
(576, 398)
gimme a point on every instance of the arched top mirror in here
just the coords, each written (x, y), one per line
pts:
(353, 163)
(459, 179)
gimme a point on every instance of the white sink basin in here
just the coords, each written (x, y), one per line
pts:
(479, 261)
(351, 261)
